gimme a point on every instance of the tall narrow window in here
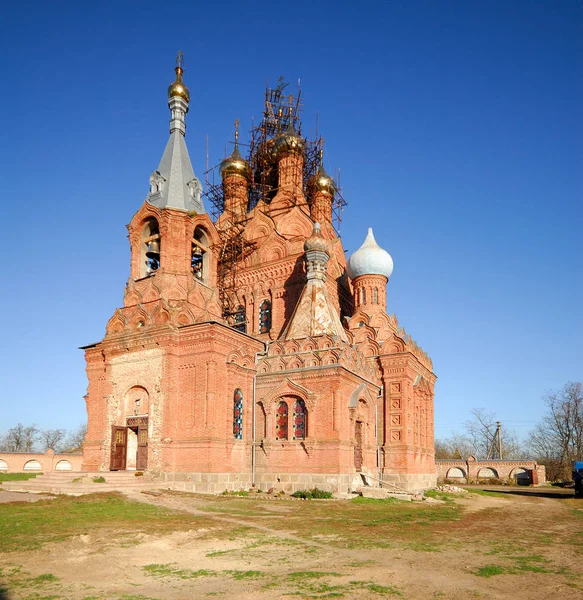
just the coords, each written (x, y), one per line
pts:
(239, 319)
(375, 296)
(299, 420)
(281, 421)
(238, 415)
(265, 317)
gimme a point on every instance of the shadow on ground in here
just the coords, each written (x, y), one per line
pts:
(555, 493)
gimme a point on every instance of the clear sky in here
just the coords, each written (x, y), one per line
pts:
(457, 127)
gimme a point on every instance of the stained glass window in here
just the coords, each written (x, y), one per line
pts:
(238, 415)
(299, 420)
(265, 317)
(281, 421)
(239, 320)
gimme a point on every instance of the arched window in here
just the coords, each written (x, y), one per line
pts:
(281, 421)
(150, 252)
(375, 296)
(238, 415)
(265, 317)
(299, 421)
(239, 319)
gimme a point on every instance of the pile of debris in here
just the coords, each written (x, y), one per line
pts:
(451, 489)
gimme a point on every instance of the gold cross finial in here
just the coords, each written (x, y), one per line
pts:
(236, 130)
(180, 59)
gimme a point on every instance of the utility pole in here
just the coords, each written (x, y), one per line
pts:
(496, 442)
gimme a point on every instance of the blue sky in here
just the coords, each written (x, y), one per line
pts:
(457, 128)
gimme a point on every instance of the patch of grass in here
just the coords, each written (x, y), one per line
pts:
(362, 563)
(303, 575)
(245, 574)
(490, 571)
(447, 497)
(488, 493)
(423, 547)
(218, 553)
(312, 494)
(532, 563)
(17, 476)
(242, 493)
(44, 578)
(30, 525)
(170, 570)
(99, 479)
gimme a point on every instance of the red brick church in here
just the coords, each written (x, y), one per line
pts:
(248, 350)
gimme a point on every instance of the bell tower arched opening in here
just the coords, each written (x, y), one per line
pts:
(150, 248)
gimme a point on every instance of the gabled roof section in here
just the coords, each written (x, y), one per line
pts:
(314, 315)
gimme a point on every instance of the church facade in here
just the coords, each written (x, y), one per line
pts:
(248, 350)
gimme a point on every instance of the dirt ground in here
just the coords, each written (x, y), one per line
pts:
(511, 546)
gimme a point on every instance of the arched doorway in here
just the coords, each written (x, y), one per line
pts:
(129, 440)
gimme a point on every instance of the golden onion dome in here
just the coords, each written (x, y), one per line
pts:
(316, 241)
(235, 165)
(322, 182)
(177, 88)
(288, 142)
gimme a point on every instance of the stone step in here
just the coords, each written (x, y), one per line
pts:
(79, 488)
(380, 493)
(106, 475)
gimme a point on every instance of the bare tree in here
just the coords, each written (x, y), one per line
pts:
(479, 439)
(52, 438)
(558, 438)
(20, 438)
(76, 438)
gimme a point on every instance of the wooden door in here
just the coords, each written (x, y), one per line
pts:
(358, 446)
(142, 457)
(119, 448)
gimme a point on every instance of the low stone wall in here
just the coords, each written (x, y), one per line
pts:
(464, 471)
(37, 462)
(343, 483)
(214, 483)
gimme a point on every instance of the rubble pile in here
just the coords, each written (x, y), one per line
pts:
(451, 489)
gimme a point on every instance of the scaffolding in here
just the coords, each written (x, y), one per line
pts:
(280, 110)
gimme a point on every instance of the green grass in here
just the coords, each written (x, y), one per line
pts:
(312, 494)
(490, 571)
(304, 575)
(27, 526)
(17, 476)
(488, 493)
(171, 570)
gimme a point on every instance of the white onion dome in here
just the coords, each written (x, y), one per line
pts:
(370, 259)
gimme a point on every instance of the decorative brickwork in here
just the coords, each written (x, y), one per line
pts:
(250, 354)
